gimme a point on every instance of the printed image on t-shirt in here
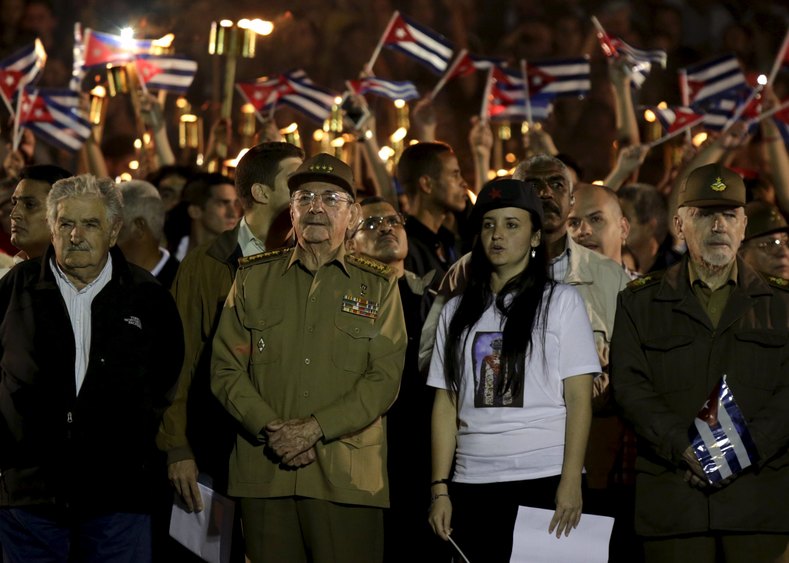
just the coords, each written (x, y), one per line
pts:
(489, 373)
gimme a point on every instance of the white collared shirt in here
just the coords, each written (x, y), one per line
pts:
(557, 268)
(247, 241)
(78, 305)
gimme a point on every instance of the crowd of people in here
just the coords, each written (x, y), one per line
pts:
(380, 361)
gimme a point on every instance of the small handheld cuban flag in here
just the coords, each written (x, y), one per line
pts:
(720, 437)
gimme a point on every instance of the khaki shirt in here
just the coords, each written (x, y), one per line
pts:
(293, 343)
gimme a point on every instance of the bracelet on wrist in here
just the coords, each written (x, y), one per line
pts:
(440, 482)
(434, 498)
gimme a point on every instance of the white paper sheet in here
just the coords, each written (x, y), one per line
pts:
(588, 543)
(209, 533)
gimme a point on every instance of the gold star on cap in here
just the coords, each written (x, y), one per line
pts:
(321, 168)
(718, 185)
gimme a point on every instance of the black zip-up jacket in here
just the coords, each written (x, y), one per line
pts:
(95, 451)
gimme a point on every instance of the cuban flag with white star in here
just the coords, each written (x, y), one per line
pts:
(105, 48)
(720, 437)
(171, 72)
(559, 77)
(507, 99)
(713, 79)
(421, 43)
(20, 69)
(54, 115)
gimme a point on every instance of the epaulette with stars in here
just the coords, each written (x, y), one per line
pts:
(369, 265)
(263, 257)
(780, 283)
(645, 281)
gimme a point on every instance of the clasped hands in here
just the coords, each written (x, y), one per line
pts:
(293, 441)
(695, 475)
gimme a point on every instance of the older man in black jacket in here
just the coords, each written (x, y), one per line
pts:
(90, 348)
(676, 335)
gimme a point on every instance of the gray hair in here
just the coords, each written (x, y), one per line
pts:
(141, 199)
(86, 185)
(524, 166)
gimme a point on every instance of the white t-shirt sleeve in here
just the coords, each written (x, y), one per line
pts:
(435, 377)
(578, 354)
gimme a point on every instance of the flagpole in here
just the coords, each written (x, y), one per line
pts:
(368, 68)
(483, 111)
(17, 137)
(679, 131)
(779, 58)
(740, 109)
(600, 32)
(448, 74)
(527, 96)
(684, 91)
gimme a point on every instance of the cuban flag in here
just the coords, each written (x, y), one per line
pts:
(392, 89)
(171, 73)
(54, 115)
(677, 118)
(507, 99)
(418, 42)
(641, 60)
(311, 100)
(470, 63)
(265, 93)
(714, 79)
(104, 48)
(719, 112)
(559, 78)
(20, 69)
(720, 437)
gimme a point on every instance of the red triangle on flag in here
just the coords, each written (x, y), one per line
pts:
(9, 82)
(146, 69)
(34, 110)
(399, 33)
(98, 52)
(538, 79)
(464, 68)
(682, 118)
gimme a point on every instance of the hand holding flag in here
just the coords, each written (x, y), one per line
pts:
(719, 437)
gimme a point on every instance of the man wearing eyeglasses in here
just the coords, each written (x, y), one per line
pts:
(766, 235)
(308, 357)
(381, 234)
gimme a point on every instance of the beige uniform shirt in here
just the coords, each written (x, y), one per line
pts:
(293, 343)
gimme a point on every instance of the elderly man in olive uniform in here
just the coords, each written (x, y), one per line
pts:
(676, 334)
(308, 357)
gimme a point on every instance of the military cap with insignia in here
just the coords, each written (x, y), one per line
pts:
(323, 168)
(764, 219)
(712, 185)
(507, 192)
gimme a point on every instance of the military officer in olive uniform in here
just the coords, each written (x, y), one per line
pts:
(308, 357)
(675, 335)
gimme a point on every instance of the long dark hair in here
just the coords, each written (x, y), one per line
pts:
(519, 302)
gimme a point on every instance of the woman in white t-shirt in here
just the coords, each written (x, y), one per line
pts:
(513, 366)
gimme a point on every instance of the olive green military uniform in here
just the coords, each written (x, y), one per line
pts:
(293, 343)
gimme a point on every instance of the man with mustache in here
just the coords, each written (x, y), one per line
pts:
(307, 358)
(90, 348)
(676, 335)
